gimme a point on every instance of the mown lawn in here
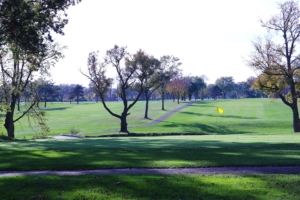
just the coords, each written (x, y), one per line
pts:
(148, 152)
(250, 132)
(188, 187)
(243, 116)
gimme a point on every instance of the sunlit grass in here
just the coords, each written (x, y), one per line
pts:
(243, 116)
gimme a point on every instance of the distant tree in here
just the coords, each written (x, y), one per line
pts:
(177, 87)
(132, 73)
(168, 70)
(47, 90)
(196, 84)
(63, 91)
(215, 92)
(77, 93)
(226, 84)
(277, 57)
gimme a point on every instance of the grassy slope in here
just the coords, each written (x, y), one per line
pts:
(257, 116)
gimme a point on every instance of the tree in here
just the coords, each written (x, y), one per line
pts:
(196, 84)
(226, 84)
(215, 92)
(17, 72)
(168, 70)
(276, 58)
(128, 75)
(29, 24)
(177, 87)
(77, 93)
(47, 90)
(27, 47)
(152, 79)
(63, 91)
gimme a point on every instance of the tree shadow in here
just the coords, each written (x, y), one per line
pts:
(53, 109)
(141, 153)
(217, 115)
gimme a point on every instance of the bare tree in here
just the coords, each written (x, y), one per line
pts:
(133, 72)
(276, 58)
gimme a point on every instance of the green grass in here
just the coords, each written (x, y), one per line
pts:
(90, 117)
(243, 116)
(149, 152)
(146, 187)
(250, 132)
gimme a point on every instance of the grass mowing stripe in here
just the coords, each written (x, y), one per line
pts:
(149, 152)
(146, 187)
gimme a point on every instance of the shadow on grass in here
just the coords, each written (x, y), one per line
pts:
(53, 109)
(202, 128)
(146, 187)
(217, 115)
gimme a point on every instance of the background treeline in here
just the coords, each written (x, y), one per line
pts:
(179, 89)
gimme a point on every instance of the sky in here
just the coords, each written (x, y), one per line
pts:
(211, 38)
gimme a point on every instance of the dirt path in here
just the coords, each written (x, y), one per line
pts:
(211, 170)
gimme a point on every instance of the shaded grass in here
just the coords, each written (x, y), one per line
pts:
(151, 152)
(152, 187)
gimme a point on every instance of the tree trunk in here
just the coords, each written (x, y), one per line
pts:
(162, 101)
(147, 104)
(19, 104)
(124, 122)
(146, 108)
(45, 103)
(9, 118)
(296, 121)
(178, 97)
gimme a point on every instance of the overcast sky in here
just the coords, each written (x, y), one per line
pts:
(210, 37)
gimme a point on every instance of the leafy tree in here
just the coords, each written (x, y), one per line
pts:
(276, 57)
(226, 84)
(63, 91)
(132, 73)
(27, 47)
(177, 87)
(152, 79)
(168, 70)
(17, 71)
(47, 90)
(196, 84)
(215, 92)
(29, 24)
(77, 93)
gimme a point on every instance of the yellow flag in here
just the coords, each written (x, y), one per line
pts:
(219, 110)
